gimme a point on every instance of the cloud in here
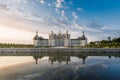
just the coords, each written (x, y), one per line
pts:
(3, 7)
(79, 9)
(71, 3)
(59, 3)
(77, 26)
(80, 27)
(96, 24)
(64, 16)
(56, 10)
(25, 1)
(104, 27)
(42, 1)
(28, 20)
(56, 21)
(19, 1)
(63, 13)
(100, 31)
(95, 30)
(74, 15)
(49, 4)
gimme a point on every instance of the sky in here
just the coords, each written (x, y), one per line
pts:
(20, 19)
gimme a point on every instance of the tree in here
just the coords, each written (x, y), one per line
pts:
(116, 40)
(92, 43)
(109, 38)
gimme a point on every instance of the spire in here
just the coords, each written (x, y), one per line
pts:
(36, 33)
(52, 32)
(66, 32)
(83, 31)
(83, 34)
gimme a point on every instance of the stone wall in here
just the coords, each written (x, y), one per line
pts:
(58, 50)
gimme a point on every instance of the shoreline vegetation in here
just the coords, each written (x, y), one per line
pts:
(109, 43)
(11, 45)
(114, 43)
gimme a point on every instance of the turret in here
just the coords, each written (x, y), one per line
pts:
(67, 40)
(83, 36)
(66, 32)
(51, 40)
(52, 35)
(52, 32)
(36, 33)
(83, 39)
(36, 39)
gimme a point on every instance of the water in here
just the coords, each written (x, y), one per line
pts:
(61, 66)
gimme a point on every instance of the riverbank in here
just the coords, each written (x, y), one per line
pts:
(59, 50)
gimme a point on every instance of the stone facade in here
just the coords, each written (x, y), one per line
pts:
(59, 39)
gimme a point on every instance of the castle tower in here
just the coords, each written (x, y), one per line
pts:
(36, 39)
(83, 41)
(67, 40)
(37, 33)
(51, 41)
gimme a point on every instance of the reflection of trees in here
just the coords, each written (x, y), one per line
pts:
(66, 57)
(83, 57)
(36, 57)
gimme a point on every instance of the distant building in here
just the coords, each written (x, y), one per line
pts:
(97, 42)
(57, 40)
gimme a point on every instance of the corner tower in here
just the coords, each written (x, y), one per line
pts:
(36, 39)
(83, 40)
(67, 39)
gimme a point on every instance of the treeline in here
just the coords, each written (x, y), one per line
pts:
(8, 45)
(114, 43)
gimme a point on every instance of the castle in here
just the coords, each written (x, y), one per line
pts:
(59, 39)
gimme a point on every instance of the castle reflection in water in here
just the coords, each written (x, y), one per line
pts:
(65, 57)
